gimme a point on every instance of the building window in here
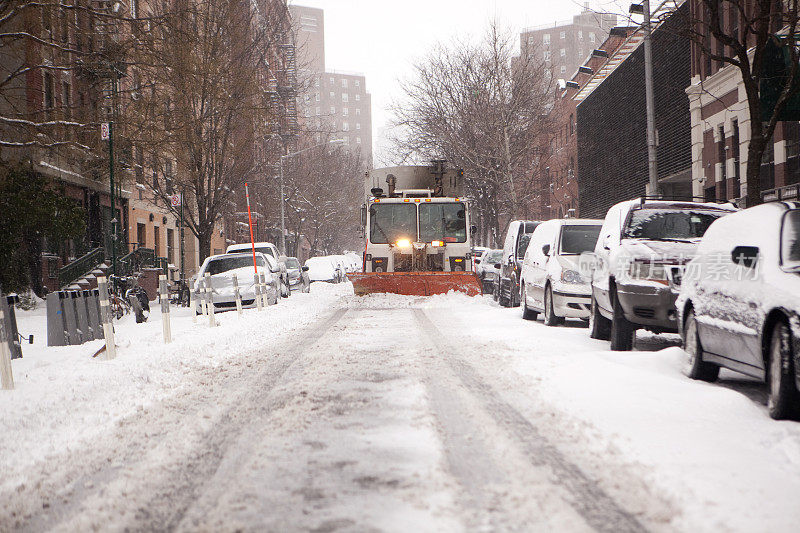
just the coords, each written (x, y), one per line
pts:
(563, 35)
(171, 246)
(563, 69)
(546, 55)
(157, 240)
(48, 91)
(345, 126)
(66, 100)
(316, 97)
(358, 83)
(333, 82)
(358, 140)
(345, 97)
(358, 97)
(791, 132)
(546, 39)
(345, 111)
(563, 52)
(591, 37)
(736, 192)
(318, 111)
(572, 124)
(316, 82)
(332, 95)
(358, 125)
(358, 111)
(333, 110)
(134, 9)
(344, 83)
(580, 35)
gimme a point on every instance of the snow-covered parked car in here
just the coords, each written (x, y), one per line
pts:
(740, 302)
(298, 275)
(323, 268)
(272, 254)
(223, 267)
(487, 271)
(551, 281)
(642, 245)
(518, 235)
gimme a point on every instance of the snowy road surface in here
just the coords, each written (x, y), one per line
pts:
(335, 413)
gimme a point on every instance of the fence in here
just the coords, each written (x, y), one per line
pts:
(80, 267)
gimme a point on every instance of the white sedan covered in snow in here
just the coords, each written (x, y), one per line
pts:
(740, 302)
(324, 268)
(223, 268)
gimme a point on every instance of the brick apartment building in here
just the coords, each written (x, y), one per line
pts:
(612, 134)
(559, 196)
(334, 101)
(566, 45)
(721, 124)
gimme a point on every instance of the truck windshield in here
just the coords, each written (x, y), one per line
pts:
(390, 222)
(442, 222)
(578, 239)
(670, 224)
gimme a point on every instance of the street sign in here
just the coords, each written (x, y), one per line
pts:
(105, 131)
(175, 200)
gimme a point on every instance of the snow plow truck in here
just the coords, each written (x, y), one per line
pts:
(418, 233)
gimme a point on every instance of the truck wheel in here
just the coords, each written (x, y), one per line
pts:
(623, 332)
(780, 373)
(599, 326)
(527, 312)
(694, 366)
(496, 291)
(550, 318)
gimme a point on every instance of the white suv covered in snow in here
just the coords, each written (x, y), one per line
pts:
(642, 248)
(740, 302)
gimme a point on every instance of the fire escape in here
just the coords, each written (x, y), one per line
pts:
(287, 92)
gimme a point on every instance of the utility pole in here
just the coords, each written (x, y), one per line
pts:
(652, 163)
(183, 262)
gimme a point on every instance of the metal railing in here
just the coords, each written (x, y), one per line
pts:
(80, 267)
(139, 259)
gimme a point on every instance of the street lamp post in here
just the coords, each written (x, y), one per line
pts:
(652, 156)
(283, 198)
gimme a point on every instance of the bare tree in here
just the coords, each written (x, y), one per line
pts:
(202, 114)
(482, 108)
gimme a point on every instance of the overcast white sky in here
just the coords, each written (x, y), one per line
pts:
(381, 38)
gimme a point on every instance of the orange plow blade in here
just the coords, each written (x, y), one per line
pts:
(415, 283)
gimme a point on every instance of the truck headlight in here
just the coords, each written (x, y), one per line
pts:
(403, 243)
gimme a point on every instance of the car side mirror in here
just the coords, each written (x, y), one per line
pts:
(745, 255)
(546, 250)
(305, 269)
(477, 261)
(498, 266)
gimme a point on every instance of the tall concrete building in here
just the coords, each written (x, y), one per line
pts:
(565, 45)
(335, 101)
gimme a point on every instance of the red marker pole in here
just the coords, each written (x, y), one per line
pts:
(250, 218)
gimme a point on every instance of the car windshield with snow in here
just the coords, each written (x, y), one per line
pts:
(669, 224)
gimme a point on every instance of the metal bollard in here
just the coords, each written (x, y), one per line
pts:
(193, 305)
(165, 325)
(105, 312)
(201, 293)
(237, 295)
(210, 302)
(6, 378)
(257, 288)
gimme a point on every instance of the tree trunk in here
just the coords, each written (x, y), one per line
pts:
(204, 244)
(755, 151)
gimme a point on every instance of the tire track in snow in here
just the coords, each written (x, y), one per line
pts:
(588, 499)
(113, 490)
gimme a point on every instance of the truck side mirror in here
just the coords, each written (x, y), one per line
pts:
(546, 250)
(305, 269)
(363, 216)
(473, 229)
(498, 266)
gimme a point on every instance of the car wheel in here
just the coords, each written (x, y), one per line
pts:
(623, 332)
(780, 373)
(694, 366)
(550, 318)
(502, 299)
(599, 326)
(527, 312)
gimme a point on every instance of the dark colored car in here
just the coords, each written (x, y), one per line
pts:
(740, 302)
